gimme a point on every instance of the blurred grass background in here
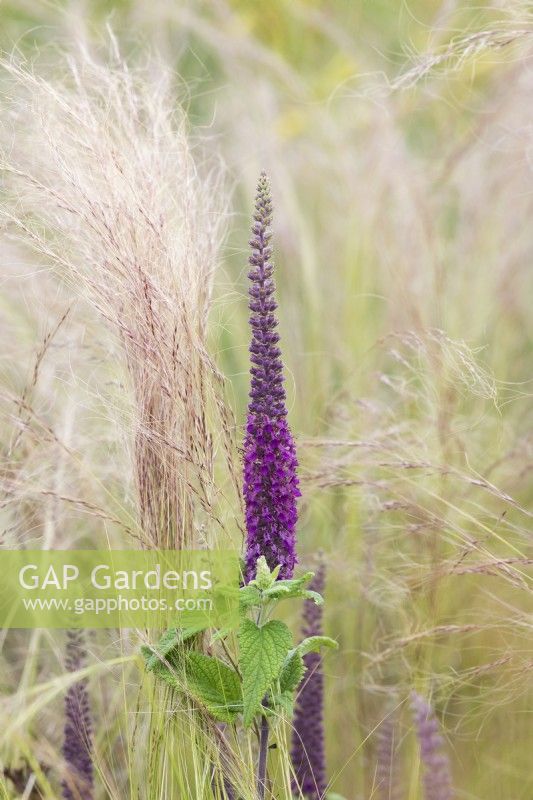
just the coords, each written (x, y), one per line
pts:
(403, 253)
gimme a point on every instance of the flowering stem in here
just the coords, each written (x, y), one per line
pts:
(77, 745)
(270, 481)
(262, 764)
(308, 751)
(438, 783)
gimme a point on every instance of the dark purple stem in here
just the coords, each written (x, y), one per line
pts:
(262, 762)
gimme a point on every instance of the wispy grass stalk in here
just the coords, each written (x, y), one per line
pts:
(121, 202)
(124, 205)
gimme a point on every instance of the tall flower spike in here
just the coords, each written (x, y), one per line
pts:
(437, 770)
(270, 480)
(77, 745)
(308, 752)
(387, 782)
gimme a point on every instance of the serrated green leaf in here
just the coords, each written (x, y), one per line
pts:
(155, 653)
(262, 653)
(283, 701)
(214, 684)
(147, 652)
(289, 585)
(300, 581)
(249, 596)
(169, 641)
(222, 633)
(313, 644)
(166, 669)
(285, 592)
(308, 594)
(292, 672)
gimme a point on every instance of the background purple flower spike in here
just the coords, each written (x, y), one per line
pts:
(387, 780)
(437, 769)
(77, 744)
(270, 480)
(308, 741)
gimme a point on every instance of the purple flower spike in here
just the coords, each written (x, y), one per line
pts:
(437, 769)
(387, 782)
(77, 745)
(308, 751)
(270, 481)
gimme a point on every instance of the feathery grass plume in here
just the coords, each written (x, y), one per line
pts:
(308, 745)
(77, 744)
(437, 769)
(270, 480)
(115, 198)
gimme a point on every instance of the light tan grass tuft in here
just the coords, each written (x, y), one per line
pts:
(107, 186)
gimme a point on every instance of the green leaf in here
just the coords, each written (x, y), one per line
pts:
(222, 633)
(294, 668)
(166, 672)
(313, 644)
(155, 653)
(214, 684)
(329, 796)
(283, 701)
(169, 641)
(284, 592)
(262, 653)
(296, 583)
(291, 587)
(266, 587)
(264, 576)
(249, 596)
(292, 672)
